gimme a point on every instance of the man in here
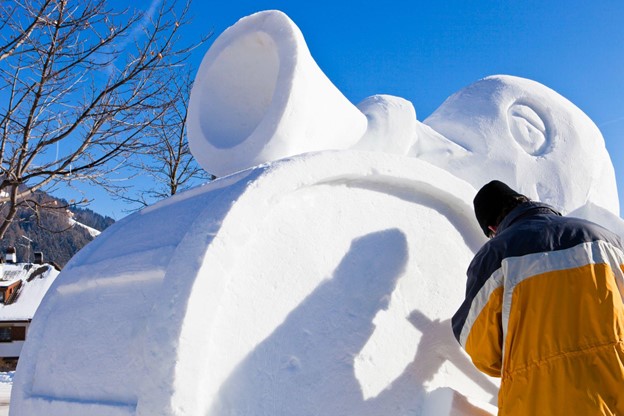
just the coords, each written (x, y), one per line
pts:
(544, 308)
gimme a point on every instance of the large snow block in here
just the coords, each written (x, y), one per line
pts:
(320, 284)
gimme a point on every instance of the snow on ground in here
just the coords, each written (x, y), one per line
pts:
(308, 281)
(6, 381)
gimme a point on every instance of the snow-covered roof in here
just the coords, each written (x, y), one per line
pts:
(36, 279)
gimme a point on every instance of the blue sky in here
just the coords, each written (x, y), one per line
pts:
(426, 51)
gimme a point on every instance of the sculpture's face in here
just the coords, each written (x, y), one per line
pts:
(530, 137)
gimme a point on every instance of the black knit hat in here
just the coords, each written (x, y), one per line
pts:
(490, 201)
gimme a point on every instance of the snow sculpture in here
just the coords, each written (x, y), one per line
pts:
(392, 125)
(320, 283)
(260, 95)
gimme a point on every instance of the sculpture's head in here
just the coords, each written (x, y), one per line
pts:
(529, 136)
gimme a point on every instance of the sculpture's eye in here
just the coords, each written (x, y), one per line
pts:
(529, 130)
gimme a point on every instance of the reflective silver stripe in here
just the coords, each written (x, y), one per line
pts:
(517, 269)
(615, 258)
(478, 303)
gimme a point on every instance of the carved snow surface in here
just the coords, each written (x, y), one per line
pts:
(324, 275)
(525, 134)
(260, 96)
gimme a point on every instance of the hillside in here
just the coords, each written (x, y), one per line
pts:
(57, 233)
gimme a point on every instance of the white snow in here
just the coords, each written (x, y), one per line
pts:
(92, 231)
(321, 275)
(6, 382)
(392, 125)
(530, 137)
(259, 96)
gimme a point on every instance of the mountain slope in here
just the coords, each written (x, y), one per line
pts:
(58, 232)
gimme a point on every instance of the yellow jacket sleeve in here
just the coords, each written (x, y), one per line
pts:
(484, 342)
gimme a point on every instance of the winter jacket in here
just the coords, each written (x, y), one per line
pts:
(544, 311)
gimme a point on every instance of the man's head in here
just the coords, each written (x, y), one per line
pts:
(493, 202)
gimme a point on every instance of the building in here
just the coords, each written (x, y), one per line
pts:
(22, 287)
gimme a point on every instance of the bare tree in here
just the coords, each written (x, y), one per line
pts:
(80, 84)
(167, 161)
